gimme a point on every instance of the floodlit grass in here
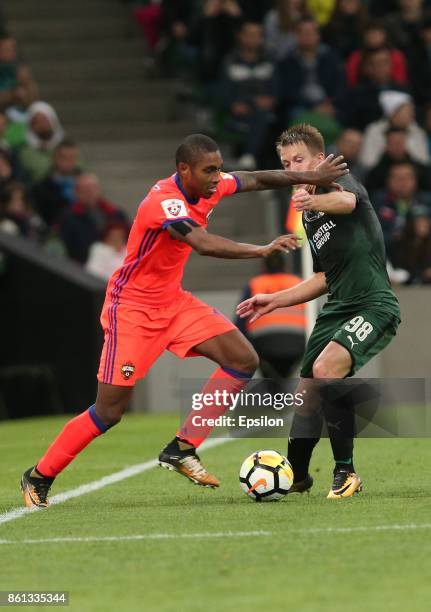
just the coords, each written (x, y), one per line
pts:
(297, 563)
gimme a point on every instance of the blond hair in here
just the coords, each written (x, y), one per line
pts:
(303, 132)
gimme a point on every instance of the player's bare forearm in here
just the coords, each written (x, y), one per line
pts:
(271, 179)
(212, 245)
(263, 303)
(325, 175)
(334, 203)
(308, 290)
(217, 246)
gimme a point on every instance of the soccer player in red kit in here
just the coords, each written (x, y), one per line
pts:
(146, 311)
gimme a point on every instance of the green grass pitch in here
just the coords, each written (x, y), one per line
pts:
(297, 564)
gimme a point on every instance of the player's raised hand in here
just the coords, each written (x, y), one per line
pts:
(256, 306)
(303, 200)
(285, 244)
(328, 171)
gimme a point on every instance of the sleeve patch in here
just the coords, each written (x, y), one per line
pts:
(174, 209)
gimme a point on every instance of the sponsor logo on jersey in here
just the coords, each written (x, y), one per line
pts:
(323, 234)
(310, 215)
(174, 208)
(127, 370)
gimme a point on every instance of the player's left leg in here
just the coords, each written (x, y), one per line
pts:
(357, 340)
(134, 339)
(335, 362)
(75, 436)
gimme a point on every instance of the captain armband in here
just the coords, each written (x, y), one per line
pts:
(183, 227)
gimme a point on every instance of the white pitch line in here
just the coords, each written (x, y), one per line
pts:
(146, 536)
(363, 529)
(133, 470)
(217, 534)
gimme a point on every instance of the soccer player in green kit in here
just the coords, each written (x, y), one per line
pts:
(361, 314)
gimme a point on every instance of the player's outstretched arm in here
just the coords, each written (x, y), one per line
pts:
(262, 303)
(324, 175)
(211, 245)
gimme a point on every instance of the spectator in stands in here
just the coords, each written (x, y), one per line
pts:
(248, 89)
(364, 104)
(380, 8)
(349, 145)
(396, 151)
(404, 25)
(279, 27)
(345, 28)
(12, 135)
(84, 223)
(255, 10)
(17, 86)
(16, 216)
(399, 112)
(56, 192)
(419, 60)
(108, 254)
(321, 10)
(395, 203)
(412, 250)
(44, 133)
(375, 37)
(312, 74)
(175, 48)
(214, 34)
(278, 338)
(149, 17)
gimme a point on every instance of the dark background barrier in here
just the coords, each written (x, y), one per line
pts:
(50, 333)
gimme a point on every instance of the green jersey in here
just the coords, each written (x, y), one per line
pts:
(350, 250)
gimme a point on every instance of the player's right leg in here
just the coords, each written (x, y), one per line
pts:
(210, 334)
(304, 435)
(307, 421)
(76, 435)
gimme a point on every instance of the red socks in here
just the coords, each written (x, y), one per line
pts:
(223, 379)
(85, 427)
(73, 438)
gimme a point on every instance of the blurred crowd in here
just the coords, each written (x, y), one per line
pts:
(46, 194)
(360, 71)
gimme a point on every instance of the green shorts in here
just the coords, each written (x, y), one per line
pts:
(364, 330)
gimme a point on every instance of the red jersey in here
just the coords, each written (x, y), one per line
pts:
(153, 269)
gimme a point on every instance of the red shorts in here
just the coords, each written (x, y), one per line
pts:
(135, 336)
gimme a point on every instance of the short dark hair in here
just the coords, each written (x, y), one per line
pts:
(303, 132)
(403, 164)
(6, 36)
(246, 22)
(306, 19)
(369, 53)
(375, 24)
(192, 148)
